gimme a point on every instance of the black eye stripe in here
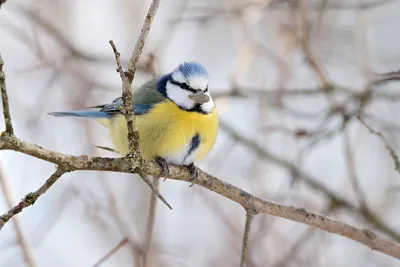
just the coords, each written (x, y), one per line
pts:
(184, 86)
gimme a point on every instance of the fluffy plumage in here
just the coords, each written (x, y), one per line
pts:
(171, 125)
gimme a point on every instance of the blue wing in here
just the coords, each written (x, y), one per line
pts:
(114, 107)
(106, 112)
(144, 97)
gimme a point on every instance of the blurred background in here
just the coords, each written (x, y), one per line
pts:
(290, 79)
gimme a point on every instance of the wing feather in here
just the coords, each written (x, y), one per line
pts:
(144, 98)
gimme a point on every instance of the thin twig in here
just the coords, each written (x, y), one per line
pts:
(108, 149)
(246, 236)
(122, 243)
(153, 188)
(31, 198)
(22, 240)
(142, 38)
(393, 154)
(4, 97)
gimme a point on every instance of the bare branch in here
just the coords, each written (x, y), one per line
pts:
(393, 154)
(30, 198)
(4, 97)
(133, 135)
(246, 236)
(248, 201)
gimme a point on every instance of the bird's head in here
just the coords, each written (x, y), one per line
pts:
(187, 86)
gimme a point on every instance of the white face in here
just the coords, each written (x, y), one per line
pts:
(181, 96)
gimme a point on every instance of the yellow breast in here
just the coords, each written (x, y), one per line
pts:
(169, 132)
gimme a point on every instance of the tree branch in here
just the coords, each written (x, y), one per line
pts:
(248, 201)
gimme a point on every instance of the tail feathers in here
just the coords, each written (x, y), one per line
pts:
(82, 113)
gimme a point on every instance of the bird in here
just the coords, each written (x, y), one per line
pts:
(176, 118)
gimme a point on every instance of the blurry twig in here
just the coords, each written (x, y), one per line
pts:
(122, 243)
(152, 214)
(305, 44)
(151, 218)
(393, 154)
(22, 240)
(349, 158)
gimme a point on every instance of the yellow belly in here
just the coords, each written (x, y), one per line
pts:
(166, 131)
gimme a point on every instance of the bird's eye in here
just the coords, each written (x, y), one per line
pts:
(185, 86)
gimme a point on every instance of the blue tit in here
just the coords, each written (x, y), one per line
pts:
(176, 118)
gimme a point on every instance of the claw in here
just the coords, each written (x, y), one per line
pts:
(164, 167)
(195, 173)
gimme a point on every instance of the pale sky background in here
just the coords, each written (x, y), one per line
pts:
(75, 223)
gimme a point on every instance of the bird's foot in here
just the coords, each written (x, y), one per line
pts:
(164, 166)
(194, 173)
